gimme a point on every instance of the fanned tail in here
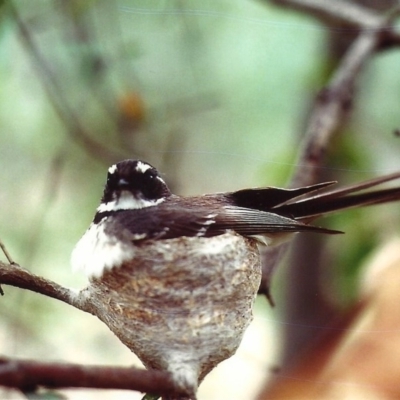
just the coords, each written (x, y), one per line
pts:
(340, 199)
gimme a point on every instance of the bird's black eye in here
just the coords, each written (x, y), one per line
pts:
(150, 174)
(112, 180)
(152, 188)
(137, 177)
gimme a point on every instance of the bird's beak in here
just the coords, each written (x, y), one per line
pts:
(123, 182)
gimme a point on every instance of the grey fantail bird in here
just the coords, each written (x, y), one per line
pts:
(175, 277)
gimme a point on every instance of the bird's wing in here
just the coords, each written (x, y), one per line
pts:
(171, 221)
(164, 222)
(249, 222)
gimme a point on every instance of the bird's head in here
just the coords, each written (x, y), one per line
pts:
(133, 184)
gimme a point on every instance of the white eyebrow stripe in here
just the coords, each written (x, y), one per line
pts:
(112, 169)
(161, 179)
(142, 167)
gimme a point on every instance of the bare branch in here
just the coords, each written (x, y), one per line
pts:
(336, 12)
(329, 113)
(331, 108)
(27, 375)
(349, 14)
(14, 275)
(54, 92)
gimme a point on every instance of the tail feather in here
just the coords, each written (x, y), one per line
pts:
(339, 199)
(264, 199)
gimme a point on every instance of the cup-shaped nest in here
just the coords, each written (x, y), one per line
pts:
(181, 305)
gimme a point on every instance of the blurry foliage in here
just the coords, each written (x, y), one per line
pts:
(212, 93)
(362, 227)
(357, 358)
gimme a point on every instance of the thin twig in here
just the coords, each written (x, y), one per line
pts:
(55, 94)
(9, 259)
(6, 253)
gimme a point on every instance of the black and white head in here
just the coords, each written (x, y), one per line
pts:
(132, 184)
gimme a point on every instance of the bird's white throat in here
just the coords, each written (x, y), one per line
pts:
(127, 201)
(98, 251)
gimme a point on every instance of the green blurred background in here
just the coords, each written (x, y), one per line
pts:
(216, 96)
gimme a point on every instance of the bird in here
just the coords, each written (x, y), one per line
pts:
(175, 277)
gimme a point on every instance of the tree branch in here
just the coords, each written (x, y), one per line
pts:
(14, 275)
(348, 14)
(337, 12)
(28, 375)
(328, 115)
(56, 96)
(331, 108)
